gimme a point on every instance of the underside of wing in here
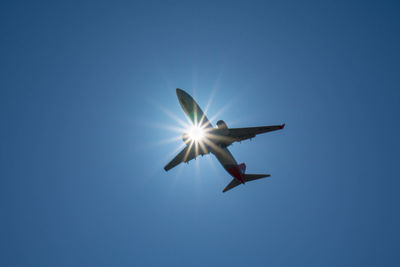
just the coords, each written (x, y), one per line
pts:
(191, 151)
(240, 134)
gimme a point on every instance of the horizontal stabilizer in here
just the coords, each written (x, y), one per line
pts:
(246, 178)
(231, 185)
(252, 177)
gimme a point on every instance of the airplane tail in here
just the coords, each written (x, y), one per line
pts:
(252, 177)
(246, 178)
(242, 167)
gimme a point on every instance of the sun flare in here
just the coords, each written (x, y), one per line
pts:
(196, 133)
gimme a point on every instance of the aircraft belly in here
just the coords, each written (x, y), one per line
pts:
(194, 112)
(229, 163)
(224, 156)
(192, 109)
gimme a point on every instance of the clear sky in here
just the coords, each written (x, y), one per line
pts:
(87, 100)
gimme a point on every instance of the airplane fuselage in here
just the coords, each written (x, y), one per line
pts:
(218, 142)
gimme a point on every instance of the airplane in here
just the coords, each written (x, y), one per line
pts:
(204, 139)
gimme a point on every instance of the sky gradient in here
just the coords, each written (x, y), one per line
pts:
(87, 103)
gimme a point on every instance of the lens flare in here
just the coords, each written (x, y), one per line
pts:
(196, 137)
(196, 133)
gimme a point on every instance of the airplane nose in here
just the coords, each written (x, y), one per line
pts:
(181, 94)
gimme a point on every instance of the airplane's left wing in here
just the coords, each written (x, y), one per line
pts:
(190, 152)
(240, 134)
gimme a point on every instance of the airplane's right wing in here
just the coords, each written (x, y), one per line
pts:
(240, 134)
(190, 152)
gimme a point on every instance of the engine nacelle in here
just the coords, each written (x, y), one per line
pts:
(222, 125)
(186, 138)
(221, 133)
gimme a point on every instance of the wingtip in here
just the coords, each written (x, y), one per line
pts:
(283, 125)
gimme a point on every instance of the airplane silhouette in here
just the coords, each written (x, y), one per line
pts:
(204, 139)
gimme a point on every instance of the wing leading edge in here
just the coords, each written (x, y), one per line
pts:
(240, 134)
(189, 152)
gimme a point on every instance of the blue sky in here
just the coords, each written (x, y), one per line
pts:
(85, 93)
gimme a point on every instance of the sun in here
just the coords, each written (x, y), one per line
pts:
(196, 133)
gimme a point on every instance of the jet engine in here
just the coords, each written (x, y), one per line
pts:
(222, 125)
(221, 133)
